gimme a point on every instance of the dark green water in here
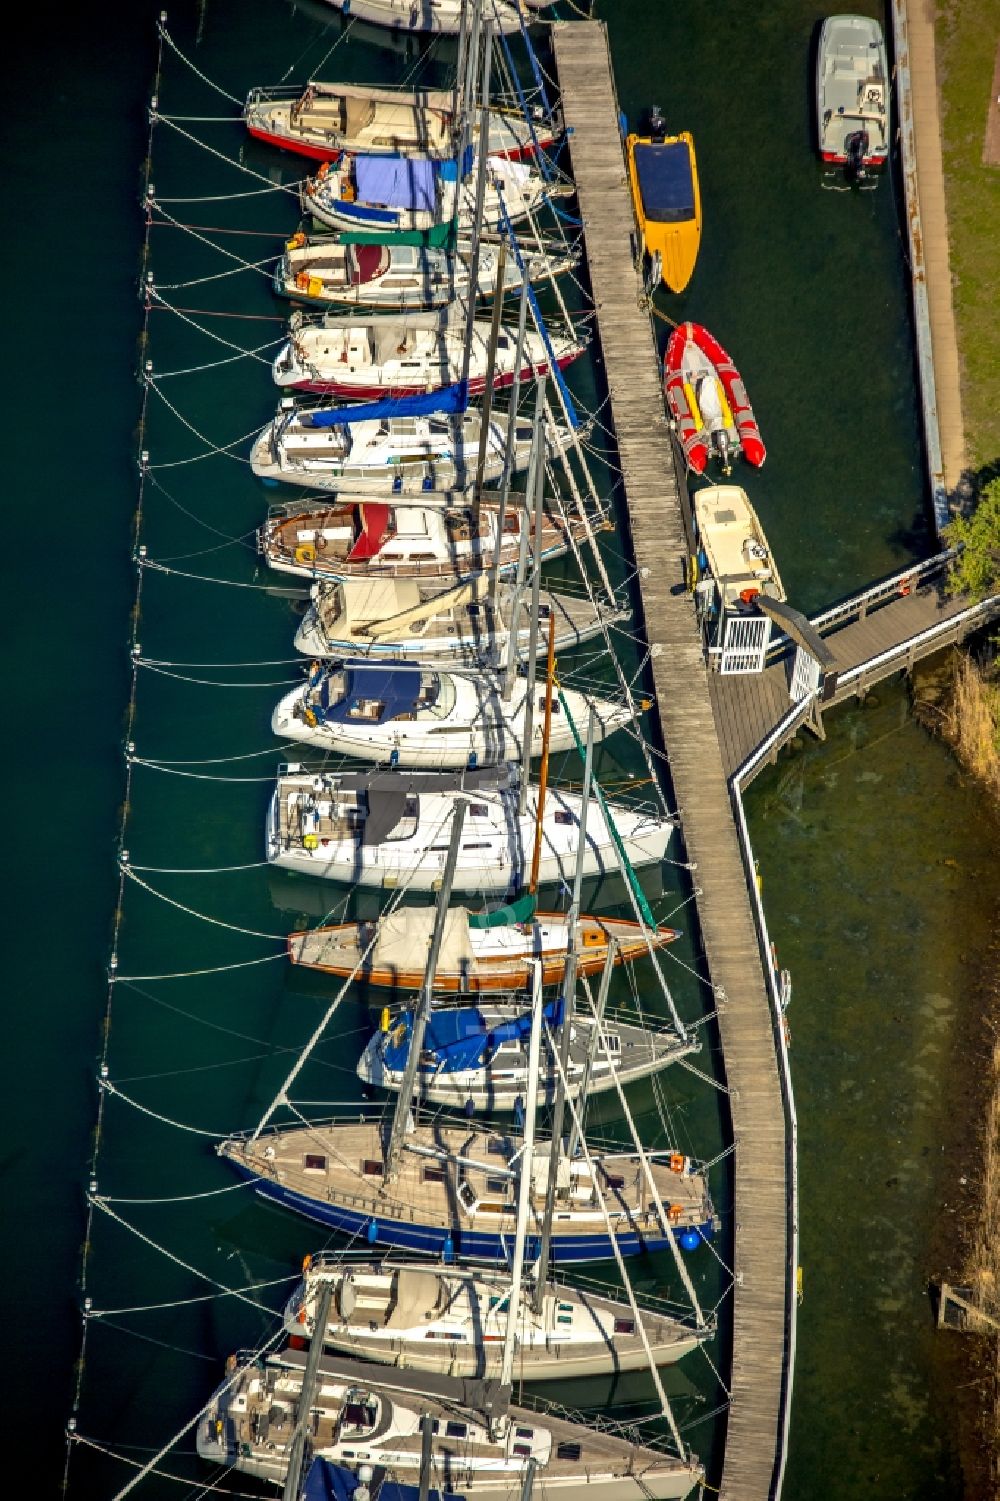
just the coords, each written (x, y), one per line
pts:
(778, 282)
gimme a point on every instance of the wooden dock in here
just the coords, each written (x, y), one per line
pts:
(763, 1293)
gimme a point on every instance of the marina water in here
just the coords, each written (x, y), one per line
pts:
(874, 853)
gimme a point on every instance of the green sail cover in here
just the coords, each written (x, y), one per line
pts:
(438, 237)
(523, 910)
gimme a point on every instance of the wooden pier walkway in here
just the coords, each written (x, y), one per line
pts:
(886, 629)
(763, 1291)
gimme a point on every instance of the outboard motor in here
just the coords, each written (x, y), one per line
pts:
(856, 147)
(657, 124)
(722, 448)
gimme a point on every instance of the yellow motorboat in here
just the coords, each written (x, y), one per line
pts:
(664, 177)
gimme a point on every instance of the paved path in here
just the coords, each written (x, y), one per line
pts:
(934, 227)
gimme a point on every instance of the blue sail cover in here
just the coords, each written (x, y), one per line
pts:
(395, 688)
(397, 182)
(329, 1482)
(665, 181)
(450, 399)
(460, 1038)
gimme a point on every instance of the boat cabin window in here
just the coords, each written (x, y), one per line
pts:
(495, 1186)
(524, 1432)
(314, 1163)
(564, 816)
(433, 1175)
(613, 1180)
(456, 1430)
(523, 1450)
(479, 810)
(467, 1197)
(611, 1043)
(624, 1326)
(495, 1147)
(569, 1451)
(359, 1414)
(371, 1168)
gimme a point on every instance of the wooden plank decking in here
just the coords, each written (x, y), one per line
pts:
(760, 1220)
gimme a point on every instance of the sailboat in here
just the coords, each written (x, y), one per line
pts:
(482, 953)
(364, 447)
(402, 619)
(440, 16)
(453, 1319)
(435, 537)
(397, 194)
(401, 357)
(383, 829)
(365, 1421)
(342, 271)
(320, 120)
(411, 716)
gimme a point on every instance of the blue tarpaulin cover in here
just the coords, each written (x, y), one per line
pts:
(395, 688)
(460, 1037)
(451, 399)
(329, 1482)
(397, 182)
(665, 181)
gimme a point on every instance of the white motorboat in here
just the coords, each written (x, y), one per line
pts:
(398, 619)
(736, 552)
(325, 271)
(852, 94)
(401, 357)
(387, 829)
(325, 448)
(476, 1057)
(359, 537)
(415, 717)
(454, 1319)
(323, 119)
(364, 1421)
(395, 194)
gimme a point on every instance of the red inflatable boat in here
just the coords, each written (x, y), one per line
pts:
(708, 401)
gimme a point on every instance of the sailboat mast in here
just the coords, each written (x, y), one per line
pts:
(535, 499)
(426, 1440)
(515, 392)
(297, 1451)
(524, 1180)
(595, 1039)
(536, 461)
(461, 66)
(543, 775)
(482, 162)
(405, 1098)
(569, 997)
(491, 367)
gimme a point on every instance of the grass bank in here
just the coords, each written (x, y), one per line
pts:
(966, 33)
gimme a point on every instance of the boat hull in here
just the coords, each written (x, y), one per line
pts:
(436, 1240)
(359, 391)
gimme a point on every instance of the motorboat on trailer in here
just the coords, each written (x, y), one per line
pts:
(365, 1427)
(708, 401)
(335, 272)
(358, 536)
(445, 16)
(422, 352)
(476, 1057)
(389, 829)
(412, 716)
(455, 1190)
(386, 195)
(342, 448)
(323, 119)
(481, 952)
(852, 94)
(454, 1319)
(666, 196)
(392, 620)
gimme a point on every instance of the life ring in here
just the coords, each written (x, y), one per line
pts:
(305, 553)
(748, 595)
(678, 1162)
(674, 1213)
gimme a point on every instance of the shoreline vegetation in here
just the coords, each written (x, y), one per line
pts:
(961, 703)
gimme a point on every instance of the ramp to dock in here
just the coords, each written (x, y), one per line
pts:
(761, 1300)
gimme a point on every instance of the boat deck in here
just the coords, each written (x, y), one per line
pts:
(755, 1434)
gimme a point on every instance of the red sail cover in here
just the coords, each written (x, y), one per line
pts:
(374, 530)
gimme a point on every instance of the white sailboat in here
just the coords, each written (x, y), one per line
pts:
(413, 716)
